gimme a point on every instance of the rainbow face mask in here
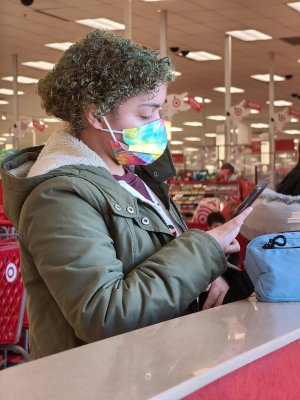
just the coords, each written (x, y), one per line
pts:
(143, 145)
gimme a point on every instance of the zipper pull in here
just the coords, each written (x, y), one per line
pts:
(275, 242)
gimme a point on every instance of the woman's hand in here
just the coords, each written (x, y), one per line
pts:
(216, 293)
(225, 234)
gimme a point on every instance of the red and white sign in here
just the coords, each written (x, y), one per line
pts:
(294, 113)
(253, 106)
(194, 103)
(280, 119)
(239, 111)
(38, 125)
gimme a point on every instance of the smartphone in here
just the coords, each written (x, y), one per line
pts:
(250, 199)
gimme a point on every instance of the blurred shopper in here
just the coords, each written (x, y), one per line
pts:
(104, 249)
(273, 208)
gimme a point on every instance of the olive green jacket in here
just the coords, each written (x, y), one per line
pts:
(97, 261)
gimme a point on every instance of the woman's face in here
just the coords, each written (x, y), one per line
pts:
(138, 111)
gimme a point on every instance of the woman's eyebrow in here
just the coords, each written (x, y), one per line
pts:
(153, 105)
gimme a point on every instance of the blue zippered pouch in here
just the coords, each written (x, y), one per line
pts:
(273, 264)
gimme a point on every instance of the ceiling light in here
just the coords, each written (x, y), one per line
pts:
(176, 142)
(294, 120)
(232, 89)
(192, 123)
(192, 139)
(201, 99)
(101, 23)
(3, 139)
(266, 77)
(295, 5)
(280, 103)
(191, 149)
(177, 73)
(176, 129)
(3, 117)
(292, 131)
(21, 79)
(5, 134)
(216, 117)
(63, 46)
(3, 102)
(9, 92)
(51, 119)
(202, 56)
(211, 135)
(259, 125)
(44, 65)
(253, 111)
(249, 35)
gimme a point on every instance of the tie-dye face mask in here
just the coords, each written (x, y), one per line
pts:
(143, 145)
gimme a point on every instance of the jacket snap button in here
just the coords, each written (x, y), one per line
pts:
(130, 209)
(145, 221)
(155, 173)
(118, 207)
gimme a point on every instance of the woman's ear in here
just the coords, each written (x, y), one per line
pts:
(94, 121)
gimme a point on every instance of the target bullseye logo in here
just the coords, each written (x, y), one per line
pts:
(176, 102)
(11, 272)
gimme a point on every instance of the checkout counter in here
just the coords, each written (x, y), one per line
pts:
(242, 350)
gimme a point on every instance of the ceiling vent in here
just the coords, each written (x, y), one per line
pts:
(294, 41)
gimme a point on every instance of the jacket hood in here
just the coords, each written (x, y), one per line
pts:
(62, 155)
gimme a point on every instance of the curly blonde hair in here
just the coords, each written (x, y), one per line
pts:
(102, 69)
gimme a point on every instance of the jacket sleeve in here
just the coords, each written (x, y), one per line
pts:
(76, 259)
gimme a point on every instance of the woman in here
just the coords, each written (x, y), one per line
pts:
(103, 248)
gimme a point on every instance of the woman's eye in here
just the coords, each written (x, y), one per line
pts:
(146, 118)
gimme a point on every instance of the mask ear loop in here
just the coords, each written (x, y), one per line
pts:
(110, 130)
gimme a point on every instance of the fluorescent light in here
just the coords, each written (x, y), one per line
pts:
(192, 123)
(280, 103)
(3, 102)
(177, 73)
(201, 99)
(292, 131)
(63, 46)
(21, 79)
(192, 139)
(5, 134)
(176, 142)
(3, 139)
(9, 92)
(294, 119)
(253, 111)
(295, 5)
(211, 135)
(191, 149)
(51, 119)
(266, 77)
(44, 65)
(176, 129)
(101, 23)
(259, 125)
(249, 35)
(232, 89)
(216, 117)
(202, 56)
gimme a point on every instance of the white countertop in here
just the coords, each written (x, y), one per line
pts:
(164, 361)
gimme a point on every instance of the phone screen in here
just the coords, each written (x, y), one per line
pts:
(250, 199)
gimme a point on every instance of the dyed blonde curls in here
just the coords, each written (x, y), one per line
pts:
(101, 69)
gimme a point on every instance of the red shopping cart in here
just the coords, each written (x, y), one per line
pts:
(12, 300)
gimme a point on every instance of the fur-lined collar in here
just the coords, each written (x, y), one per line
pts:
(61, 149)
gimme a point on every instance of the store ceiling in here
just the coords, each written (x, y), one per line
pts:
(193, 25)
